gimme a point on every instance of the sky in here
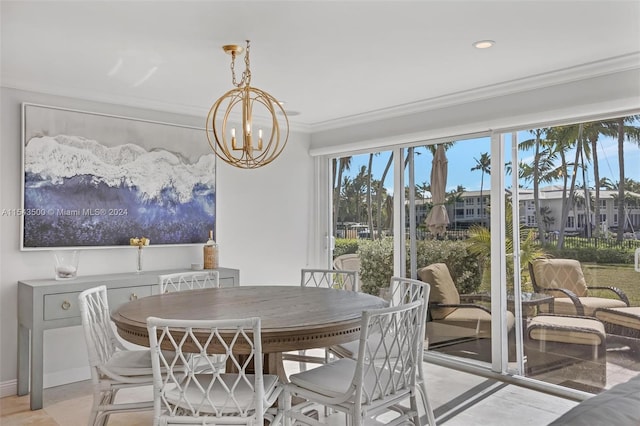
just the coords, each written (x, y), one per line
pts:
(463, 154)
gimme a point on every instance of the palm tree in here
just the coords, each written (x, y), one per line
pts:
(631, 199)
(345, 165)
(454, 197)
(369, 203)
(631, 134)
(540, 171)
(484, 165)
(347, 194)
(622, 129)
(593, 132)
(547, 217)
(360, 189)
(607, 183)
(585, 152)
(564, 138)
(424, 187)
(381, 193)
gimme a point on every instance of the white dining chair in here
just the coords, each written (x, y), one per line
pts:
(322, 278)
(402, 291)
(381, 377)
(190, 397)
(348, 262)
(113, 367)
(191, 280)
(329, 278)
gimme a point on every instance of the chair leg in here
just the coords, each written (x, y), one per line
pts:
(414, 408)
(285, 401)
(100, 417)
(93, 416)
(422, 388)
(97, 417)
(303, 365)
(427, 405)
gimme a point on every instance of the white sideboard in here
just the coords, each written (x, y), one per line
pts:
(48, 304)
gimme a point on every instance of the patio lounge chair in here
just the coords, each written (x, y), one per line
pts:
(452, 320)
(567, 348)
(563, 279)
(622, 323)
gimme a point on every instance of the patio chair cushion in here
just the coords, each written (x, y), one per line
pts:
(567, 329)
(564, 305)
(477, 319)
(560, 273)
(628, 317)
(443, 290)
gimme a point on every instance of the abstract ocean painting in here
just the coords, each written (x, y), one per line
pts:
(91, 183)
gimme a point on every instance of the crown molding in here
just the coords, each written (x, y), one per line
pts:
(563, 76)
(128, 101)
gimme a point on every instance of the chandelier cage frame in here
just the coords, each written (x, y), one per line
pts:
(250, 152)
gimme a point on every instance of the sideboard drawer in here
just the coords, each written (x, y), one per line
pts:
(120, 296)
(66, 305)
(61, 305)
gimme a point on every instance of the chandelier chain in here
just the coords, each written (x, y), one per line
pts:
(246, 75)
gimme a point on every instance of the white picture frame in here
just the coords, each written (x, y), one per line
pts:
(93, 180)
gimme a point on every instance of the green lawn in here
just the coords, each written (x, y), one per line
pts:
(622, 276)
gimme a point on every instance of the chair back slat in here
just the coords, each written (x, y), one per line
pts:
(329, 278)
(228, 386)
(180, 281)
(406, 290)
(388, 352)
(95, 316)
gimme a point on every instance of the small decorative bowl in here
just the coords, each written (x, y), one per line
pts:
(197, 266)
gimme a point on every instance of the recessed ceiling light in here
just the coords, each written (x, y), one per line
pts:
(483, 44)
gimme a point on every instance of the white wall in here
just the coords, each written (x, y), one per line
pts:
(263, 222)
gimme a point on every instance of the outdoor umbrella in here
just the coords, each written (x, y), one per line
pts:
(438, 219)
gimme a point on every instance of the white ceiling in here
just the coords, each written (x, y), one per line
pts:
(326, 59)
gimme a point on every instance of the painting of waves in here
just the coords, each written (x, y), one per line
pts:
(79, 192)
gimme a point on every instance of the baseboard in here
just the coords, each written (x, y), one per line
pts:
(8, 388)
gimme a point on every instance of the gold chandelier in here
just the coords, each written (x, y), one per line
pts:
(246, 151)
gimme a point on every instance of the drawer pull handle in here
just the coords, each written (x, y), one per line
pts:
(66, 305)
(133, 296)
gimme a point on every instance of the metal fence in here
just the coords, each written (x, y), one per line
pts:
(583, 242)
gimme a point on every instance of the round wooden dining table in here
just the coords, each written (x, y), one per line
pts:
(292, 317)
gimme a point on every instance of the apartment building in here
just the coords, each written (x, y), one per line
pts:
(473, 208)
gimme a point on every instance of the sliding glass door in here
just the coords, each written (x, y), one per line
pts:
(473, 216)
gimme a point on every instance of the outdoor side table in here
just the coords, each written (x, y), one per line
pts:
(532, 300)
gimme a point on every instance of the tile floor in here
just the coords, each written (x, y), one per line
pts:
(459, 399)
